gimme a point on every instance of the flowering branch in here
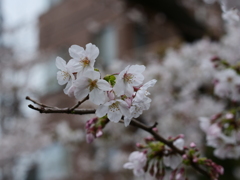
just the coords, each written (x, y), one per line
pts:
(150, 129)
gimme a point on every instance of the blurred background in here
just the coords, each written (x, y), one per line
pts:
(37, 146)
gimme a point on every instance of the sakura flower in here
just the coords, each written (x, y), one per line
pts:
(140, 102)
(65, 75)
(228, 82)
(231, 15)
(84, 59)
(90, 83)
(114, 109)
(173, 160)
(131, 76)
(137, 161)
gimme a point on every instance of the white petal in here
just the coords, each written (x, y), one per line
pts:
(76, 52)
(101, 111)
(127, 121)
(175, 160)
(137, 80)
(136, 69)
(61, 64)
(97, 96)
(103, 85)
(128, 90)
(62, 78)
(68, 86)
(82, 89)
(138, 172)
(149, 84)
(119, 88)
(92, 51)
(91, 74)
(114, 116)
(179, 143)
(123, 106)
(128, 165)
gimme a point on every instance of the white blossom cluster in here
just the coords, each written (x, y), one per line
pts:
(124, 95)
(227, 145)
(227, 84)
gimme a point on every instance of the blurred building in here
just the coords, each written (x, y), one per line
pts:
(120, 28)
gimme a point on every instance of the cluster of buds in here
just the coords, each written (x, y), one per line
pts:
(227, 80)
(94, 128)
(119, 94)
(222, 133)
(192, 155)
(155, 158)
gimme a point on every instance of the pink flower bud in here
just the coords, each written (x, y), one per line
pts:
(99, 133)
(192, 145)
(89, 138)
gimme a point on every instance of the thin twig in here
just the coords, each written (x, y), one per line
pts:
(79, 103)
(62, 110)
(35, 102)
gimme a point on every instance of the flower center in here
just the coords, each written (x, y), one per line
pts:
(128, 77)
(114, 107)
(92, 84)
(65, 75)
(85, 62)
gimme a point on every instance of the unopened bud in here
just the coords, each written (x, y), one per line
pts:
(192, 145)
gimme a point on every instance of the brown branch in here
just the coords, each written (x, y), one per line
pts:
(79, 103)
(158, 137)
(35, 102)
(62, 110)
(47, 109)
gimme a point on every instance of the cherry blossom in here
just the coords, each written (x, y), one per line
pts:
(137, 161)
(173, 160)
(114, 109)
(84, 59)
(90, 83)
(65, 75)
(131, 76)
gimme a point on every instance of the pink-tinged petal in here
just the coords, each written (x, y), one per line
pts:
(92, 51)
(136, 69)
(97, 96)
(61, 64)
(62, 77)
(119, 88)
(90, 138)
(179, 143)
(91, 74)
(114, 116)
(104, 85)
(128, 165)
(76, 52)
(101, 111)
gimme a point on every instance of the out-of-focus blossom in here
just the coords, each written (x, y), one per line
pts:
(137, 161)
